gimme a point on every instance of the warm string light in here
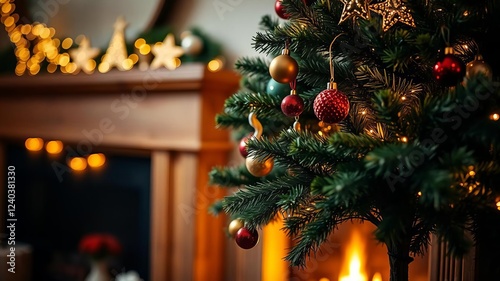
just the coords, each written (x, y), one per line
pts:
(34, 144)
(54, 147)
(468, 181)
(35, 44)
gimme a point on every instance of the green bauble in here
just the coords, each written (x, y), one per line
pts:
(275, 88)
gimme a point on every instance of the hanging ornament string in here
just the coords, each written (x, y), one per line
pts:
(331, 105)
(330, 58)
(293, 84)
(445, 33)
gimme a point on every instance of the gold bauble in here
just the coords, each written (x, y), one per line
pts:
(234, 226)
(258, 168)
(283, 69)
(478, 66)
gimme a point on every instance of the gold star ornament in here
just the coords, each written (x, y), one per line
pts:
(354, 8)
(83, 56)
(166, 53)
(393, 11)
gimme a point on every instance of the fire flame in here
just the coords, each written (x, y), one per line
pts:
(354, 260)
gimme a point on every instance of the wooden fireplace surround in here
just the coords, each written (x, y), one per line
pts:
(167, 114)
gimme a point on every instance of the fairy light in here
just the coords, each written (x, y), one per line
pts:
(96, 160)
(33, 144)
(67, 43)
(54, 147)
(78, 163)
(215, 64)
(495, 116)
(35, 44)
(404, 139)
(24, 36)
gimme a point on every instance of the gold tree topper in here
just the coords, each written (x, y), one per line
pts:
(393, 11)
(354, 8)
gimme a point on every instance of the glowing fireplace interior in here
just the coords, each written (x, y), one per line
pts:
(351, 254)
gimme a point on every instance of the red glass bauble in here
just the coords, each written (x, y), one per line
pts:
(246, 238)
(449, 71)
(292, 105)
(331, 106)
(243, 145)
(280, 10)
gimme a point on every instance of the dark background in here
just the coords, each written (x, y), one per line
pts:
(53, 215)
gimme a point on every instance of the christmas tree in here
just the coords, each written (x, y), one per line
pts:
(380, 111)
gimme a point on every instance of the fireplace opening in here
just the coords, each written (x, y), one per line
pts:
(56, 206)
(352, 254)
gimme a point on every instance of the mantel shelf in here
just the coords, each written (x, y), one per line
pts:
(161, 109)
(185, 78)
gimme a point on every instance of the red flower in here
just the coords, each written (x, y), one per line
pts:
(100, 245)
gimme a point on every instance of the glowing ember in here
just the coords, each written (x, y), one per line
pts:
(352, 270)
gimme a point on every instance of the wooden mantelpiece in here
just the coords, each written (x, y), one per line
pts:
(168, 114)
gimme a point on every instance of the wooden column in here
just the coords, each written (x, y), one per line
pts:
(161, 215)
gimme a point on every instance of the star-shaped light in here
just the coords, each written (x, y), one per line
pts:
(83, 55)
(354, 8)
(393, 11)
(166, 53)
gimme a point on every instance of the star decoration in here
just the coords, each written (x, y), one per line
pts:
(83, 55)
(354, 8)
(166, 53)
(393, 11)
(116, 54)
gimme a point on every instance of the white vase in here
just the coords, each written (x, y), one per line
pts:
(98, 271)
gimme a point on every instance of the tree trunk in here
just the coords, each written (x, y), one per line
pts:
(399, 259)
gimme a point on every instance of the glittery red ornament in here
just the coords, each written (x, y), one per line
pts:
(246, 238)
(292, 105)
(331, 105)
(243, 145)
(280, 10)
(450, 70)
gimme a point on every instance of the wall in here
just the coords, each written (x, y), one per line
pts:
(233, 23)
